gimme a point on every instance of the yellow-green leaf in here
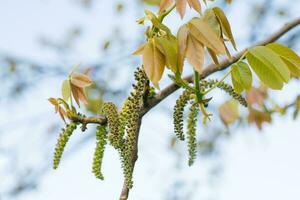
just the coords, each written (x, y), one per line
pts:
(66, 90)
(212, 20)
(153, 62)
(195, 53)
(182, 35)
(229, 112)
(268, 66)
(168, 47)
(291, 59)
(241, 76)
(225, 25)
(202, 32)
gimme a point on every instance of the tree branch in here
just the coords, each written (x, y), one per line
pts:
(210, 69)
(101, 120)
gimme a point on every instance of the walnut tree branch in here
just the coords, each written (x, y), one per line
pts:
(210, 69)
(101, 120)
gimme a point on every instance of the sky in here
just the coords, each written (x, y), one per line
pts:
(255, 165)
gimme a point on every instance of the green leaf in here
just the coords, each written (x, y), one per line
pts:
(66, 90)
(241, 76)
(289, 57)
(268, 66)
(225, 26)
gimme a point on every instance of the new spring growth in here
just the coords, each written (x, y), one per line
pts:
(61, 143)
(101, 136)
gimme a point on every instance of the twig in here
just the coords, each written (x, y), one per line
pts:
(101, 120)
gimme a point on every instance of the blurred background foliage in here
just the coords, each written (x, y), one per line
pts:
(28, 129)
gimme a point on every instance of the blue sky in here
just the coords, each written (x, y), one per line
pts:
(256, 165)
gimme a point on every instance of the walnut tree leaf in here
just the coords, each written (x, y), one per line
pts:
(181, 7)
(289, 57)
(202, 32)
(258, 117)
(153, 62)
(81, 80)
(168, 47)
(225, 25)
(229, 112)
(164, 4)
(139, 50)
(241, 76)
(182, 36)
(195, 53)
(66, 90)
(195, 4)
(268, 66)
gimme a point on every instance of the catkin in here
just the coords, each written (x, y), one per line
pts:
(110, 110)
(225, 87)
(191, 132)
(99, 151)
(123, 116)
(181, 102)
(132, 110)
(61, 143)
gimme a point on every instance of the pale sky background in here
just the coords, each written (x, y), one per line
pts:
(256, 165)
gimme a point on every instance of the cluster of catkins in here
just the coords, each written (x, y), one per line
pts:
(121, 130)
(188, 98)
(123, 126)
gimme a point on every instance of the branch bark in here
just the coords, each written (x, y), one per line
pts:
(89, 120)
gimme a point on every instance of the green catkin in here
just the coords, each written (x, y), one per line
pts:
(131, 111)
(110, 110)
(191, 132)
(61, 143)
(227, 88)
(101, 137)
(181, 102)
(122, 121)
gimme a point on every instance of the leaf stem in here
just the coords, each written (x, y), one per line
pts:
(179, 81)
(243, 55)
(167, 12)
(217, 84)
(197, 88)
